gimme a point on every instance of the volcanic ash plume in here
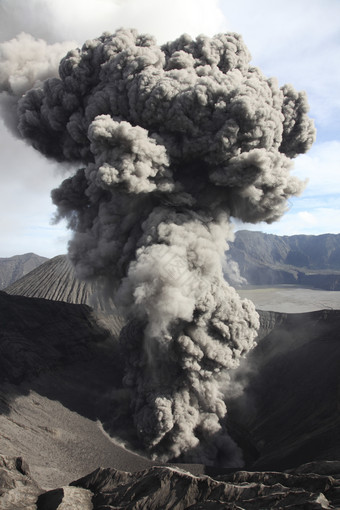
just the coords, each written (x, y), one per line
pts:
(172, 141)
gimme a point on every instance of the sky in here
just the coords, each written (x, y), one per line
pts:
(296, 41)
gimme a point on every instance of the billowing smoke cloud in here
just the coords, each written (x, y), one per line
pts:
(25, 62)
(172, 141)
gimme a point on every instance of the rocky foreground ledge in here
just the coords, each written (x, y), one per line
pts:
(171, 488)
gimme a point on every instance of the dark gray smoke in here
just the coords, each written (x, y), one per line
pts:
(173, 141)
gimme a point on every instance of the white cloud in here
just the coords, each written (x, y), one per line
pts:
(63, 20)
(317, 210)
(299, 43)
(319, 220)
(321, 166)
(166, 19)
(307, 218)
(26, 208)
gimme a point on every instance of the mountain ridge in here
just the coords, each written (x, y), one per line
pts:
(306, 260)
(13, 268)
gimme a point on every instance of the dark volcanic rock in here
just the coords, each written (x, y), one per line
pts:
(13, 268)
(50, 500)
(266, 259)
(165, 488)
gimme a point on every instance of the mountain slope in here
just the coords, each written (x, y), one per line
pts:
(37, 335)
(13, 268)
(56, 280)
(266, 259)
(59, 372)
(289, 410)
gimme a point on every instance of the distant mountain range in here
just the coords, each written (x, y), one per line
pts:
(13, 268)
(266, 259)
(262, 259)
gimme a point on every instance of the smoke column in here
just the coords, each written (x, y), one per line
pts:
(172, 142)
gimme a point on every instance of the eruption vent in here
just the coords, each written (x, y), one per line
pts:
(173, 141)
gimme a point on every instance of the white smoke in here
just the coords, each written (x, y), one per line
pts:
(25, 62)
(173, 142)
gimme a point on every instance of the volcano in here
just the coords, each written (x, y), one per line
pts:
(65, 411)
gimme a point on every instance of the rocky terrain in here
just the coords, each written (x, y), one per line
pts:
(162, 487)
(13, 268)
(266, 259)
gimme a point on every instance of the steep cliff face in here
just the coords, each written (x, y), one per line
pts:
(13, 268)
(266, 259)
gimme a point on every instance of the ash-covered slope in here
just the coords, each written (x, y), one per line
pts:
(266, 259)
(13, 268)
(289, 411)
(17, 488)
(56, 280)
(59, 373)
